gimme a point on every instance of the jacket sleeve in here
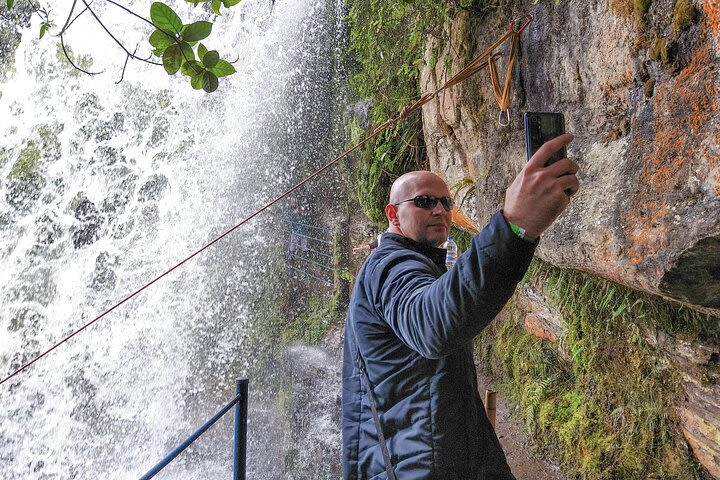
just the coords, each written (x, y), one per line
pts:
(436, 315)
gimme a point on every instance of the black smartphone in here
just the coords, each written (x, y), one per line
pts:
(541, 127)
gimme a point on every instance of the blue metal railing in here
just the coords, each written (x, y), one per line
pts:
(240, 402)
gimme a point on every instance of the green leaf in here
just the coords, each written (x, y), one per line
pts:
(230, 3)
(187, 52)
(209, 82)
(161, 40)
(10, 4)
(197, 82)
(201, 51)
(193, 68)
(43, 28)
(172, 59)
(196, 31)
(165, 17)
(215, 5)
(211, 59)
(223, 68)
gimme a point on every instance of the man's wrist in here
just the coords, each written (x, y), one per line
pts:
(520, 232)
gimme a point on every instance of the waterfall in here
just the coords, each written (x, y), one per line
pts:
(105, 186)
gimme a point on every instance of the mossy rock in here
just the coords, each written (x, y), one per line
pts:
(51, 147)
(649, 88)
(83, 61)
(26, 319)
(104, 277)
(684, 16)
(89, 221)
(585, 407)
(36, 286)
(154, 188)
(25, 181)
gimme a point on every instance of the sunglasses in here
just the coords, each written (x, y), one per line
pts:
(428, 202)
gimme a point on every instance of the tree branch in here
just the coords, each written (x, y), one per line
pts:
(115, 39)
(122, 75)
(174, 38)
(62, 44)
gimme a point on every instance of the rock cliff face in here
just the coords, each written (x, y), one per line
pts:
(643, 103)
(641, 92)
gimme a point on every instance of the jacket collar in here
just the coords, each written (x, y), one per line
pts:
(437, 255)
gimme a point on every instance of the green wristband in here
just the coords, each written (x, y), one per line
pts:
(520, 232)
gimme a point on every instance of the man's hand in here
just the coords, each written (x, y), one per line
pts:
(539, 194)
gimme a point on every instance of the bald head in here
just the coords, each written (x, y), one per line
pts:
(407, 184)
(424, 225)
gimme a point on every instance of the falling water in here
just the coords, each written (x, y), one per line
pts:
(105, 186)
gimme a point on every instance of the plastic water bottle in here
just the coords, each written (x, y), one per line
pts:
(451, 255)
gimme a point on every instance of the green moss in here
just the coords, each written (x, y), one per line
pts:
(640, 8)
(83, 61)
(25, 180)
(601, 399)
(28, 162)
(163, 99)
(658, 51)
(649, 88)
(683, 16)
(388, 40)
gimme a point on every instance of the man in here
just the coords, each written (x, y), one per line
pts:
(411, 324)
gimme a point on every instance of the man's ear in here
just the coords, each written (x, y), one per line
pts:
(391, 214)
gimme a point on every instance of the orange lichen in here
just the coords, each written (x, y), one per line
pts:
(684, 112)
(712, 13)
(649, 233)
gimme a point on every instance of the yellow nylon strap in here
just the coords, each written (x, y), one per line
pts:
(503, 96)
(477, 64)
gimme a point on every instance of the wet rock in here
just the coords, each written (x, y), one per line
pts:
(26, 318)
(159, 133)
(122, 194)
(89, 221)
(637, 218)
(108, 155)
(48, 234)
(89, 104)
(25, 181)
(48, 229)
(695, 276)
(150, 214)
(10, 35)
(153, 188)
(108, 129)
(50, 144)
(116, 202)
(123, 229)
(104, 277)
(36, 285)
(314, 382)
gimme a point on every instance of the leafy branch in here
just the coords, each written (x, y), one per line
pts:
(174, 42)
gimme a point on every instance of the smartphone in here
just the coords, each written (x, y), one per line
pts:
(541, 127)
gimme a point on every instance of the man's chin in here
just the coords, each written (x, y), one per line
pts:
(437, 240)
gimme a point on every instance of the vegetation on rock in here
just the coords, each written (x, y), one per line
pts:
(601, 399)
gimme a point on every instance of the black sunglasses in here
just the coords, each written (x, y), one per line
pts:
(428, 202)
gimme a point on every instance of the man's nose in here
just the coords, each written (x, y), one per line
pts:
(439, 209)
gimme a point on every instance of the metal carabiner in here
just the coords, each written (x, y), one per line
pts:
(515, 24)
(507, 118)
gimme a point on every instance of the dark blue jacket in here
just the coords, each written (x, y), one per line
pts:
(415, 326)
